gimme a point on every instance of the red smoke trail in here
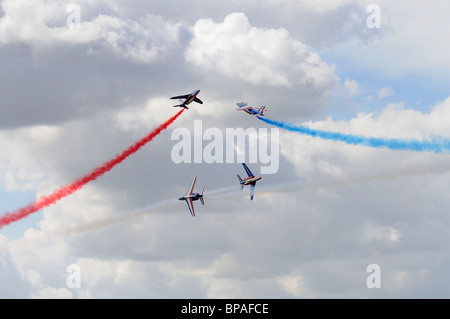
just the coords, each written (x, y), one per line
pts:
(67, 190)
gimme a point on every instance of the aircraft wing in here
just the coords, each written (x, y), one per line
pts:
(241, 104)
(191, 188)
(190, 204)
(180, 97)
(196, 99)
(249, 173)
(252, 191)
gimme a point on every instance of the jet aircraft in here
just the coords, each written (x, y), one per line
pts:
(190, 197)
(187, 99)
(250, 109)
(250, 180)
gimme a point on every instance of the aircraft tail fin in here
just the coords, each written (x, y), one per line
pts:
(264, 109)
(241, 182)
(181, 105)
(247, 170)
(261, 110)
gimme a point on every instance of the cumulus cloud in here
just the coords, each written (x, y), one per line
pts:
(388, 235)
(385, 92)
(292, 284)
(344, 194)
(351, 86)
(393, 49)
(320, 6)
(75, 97)
(53, 73)
(54, 293)
(19, 171)
(395, 120)
(44, 24)
(258, 55)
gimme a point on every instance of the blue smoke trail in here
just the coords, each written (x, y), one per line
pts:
(436, 145)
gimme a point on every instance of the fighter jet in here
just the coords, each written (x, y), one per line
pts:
(190, 197)
(250, 180)
(187, 99)
(251, 110)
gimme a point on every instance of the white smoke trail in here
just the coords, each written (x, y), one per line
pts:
(119, 219)
(94, 225)
(299, 185)
(234, 191)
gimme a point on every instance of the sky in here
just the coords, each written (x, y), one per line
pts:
(83, 80)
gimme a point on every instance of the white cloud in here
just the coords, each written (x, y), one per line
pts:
(293, 284)
(351, 86)
(310, 238)
(133, 117)
(409, 42)
(385, 234)
(322, 6)
(257, 55)
(54, 293)
(385, 92)
(33, 22)
(20, 171)
(394, 121)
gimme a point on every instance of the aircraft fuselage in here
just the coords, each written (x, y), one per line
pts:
(186, 99)
(251, 180)
(194, 197)
(191, 97)
(251, 112)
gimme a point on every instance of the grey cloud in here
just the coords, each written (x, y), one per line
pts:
(14, 285)
(314, 239)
